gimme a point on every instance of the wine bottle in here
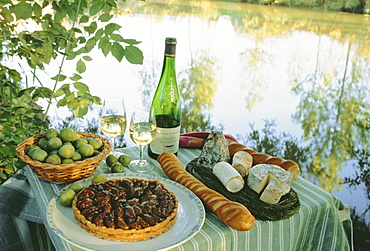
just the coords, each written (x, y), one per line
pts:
(167, 106)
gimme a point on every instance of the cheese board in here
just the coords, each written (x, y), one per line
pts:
(287, 206)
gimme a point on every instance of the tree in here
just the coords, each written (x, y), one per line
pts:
(40, 32)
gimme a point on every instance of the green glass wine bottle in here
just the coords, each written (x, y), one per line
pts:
(167, 106)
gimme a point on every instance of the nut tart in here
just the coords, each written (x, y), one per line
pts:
(128, 209)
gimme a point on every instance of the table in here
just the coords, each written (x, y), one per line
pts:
(322, 223)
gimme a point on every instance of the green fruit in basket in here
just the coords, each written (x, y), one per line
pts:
(67, 135)
(77, 187)
(111, 160)
(67, 161)
(54, 152)
(66, 151)
(42, 142)
(51, 133)
(54, 143)
(76, 137)
(117, 168)
(124, 159)
(98, 178)
(89, 139)
(79, 142)
(39, 155)
(66, 197)
(53, 159)
(76, 156)
(86, 150)
(29, 149)
(96, 143)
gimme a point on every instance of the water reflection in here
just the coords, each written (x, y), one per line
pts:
(331, 105)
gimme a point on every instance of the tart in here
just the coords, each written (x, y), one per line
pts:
(128, 209)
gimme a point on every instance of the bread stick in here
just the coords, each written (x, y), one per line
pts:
(233, 214)
(261, 158)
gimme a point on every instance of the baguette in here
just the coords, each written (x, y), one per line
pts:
(261, 158)
(233, 214)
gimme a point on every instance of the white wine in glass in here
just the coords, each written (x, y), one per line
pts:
(142, 131)
(113, 119)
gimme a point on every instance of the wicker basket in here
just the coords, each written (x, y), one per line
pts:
(63, 173)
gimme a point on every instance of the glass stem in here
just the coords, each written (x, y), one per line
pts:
(113, 142)
(141, 162)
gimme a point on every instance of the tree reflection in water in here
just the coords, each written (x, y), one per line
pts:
(331, 107)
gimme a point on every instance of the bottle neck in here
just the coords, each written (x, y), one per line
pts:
(170, 49)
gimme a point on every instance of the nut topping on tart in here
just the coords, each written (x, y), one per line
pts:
(128, 209)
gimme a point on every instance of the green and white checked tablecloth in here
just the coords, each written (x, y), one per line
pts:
(322, 223)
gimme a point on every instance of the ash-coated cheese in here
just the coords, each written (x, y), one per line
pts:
(228, 176)
(214, 150)
(273, 180)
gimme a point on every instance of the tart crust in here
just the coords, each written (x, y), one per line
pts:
(132, 234)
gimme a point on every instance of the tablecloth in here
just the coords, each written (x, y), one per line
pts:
(322, 223)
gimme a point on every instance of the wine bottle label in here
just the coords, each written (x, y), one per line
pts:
(167, 140)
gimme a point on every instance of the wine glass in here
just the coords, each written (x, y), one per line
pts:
(113, 119)
(142, 132)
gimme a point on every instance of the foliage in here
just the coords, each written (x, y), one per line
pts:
(41, 32)
(362, 172)
(278, 144)
(354, 6)
(20, 118)
(70, 31)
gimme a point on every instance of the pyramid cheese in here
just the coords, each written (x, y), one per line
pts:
(214, 150)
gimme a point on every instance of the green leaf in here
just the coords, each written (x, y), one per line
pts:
(87, 58)
(79, 112)
(22, 10)
(110, 28)
(59, 77)
(61, 102)
(81, 86)
(37, 10)
(105, 45)
(59, 15)
(75, 77)
(84, 19)
(90, 44)
(117, 37)
(95, 8)
(105, 17)
(99, 33)
(84, 102)
(118, 51)
(131, 41)
(7, 15)
(81, 66)
(134, 55)
(91, 28)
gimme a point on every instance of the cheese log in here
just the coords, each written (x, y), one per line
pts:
(228, 176)
(233, 214)
(261, 158)
(214, 150)
(242, 162)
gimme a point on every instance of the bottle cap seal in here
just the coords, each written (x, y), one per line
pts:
(170, 50)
